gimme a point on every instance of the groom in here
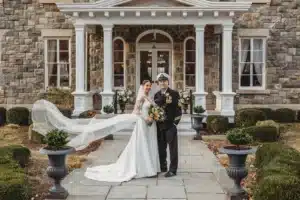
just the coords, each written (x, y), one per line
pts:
(167, 130)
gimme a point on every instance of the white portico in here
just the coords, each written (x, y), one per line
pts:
(198, 13)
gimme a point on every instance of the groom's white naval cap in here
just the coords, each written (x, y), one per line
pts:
(163, 77)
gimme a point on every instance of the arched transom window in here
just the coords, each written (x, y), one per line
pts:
(119, 62)
(189, 62)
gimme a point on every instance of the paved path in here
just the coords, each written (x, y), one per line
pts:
(200, 177)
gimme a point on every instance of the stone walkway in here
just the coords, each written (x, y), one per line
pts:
(200, 176)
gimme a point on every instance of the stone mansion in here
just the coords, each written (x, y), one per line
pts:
(230, 53)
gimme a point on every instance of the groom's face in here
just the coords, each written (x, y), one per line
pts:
(164, 84)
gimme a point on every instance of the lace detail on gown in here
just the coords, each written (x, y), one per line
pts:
(138, 159)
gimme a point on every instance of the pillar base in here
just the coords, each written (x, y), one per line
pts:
(83, 101)
(225, 103)
(200, 99)
(107, 99)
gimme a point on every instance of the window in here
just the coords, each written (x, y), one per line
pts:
(119, 62)
(189, 62)
(57, 63)
(252, 63)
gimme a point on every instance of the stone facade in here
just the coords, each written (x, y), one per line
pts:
(282, 18)
(22, 51)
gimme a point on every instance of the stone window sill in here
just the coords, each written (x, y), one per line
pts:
(263, 92)
(54, 1)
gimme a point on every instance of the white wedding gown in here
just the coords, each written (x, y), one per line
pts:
(139, 158)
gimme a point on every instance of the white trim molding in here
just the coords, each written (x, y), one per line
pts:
(57, 32)
(256, 32)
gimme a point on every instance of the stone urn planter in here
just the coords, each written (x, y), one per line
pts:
(185, 108)
(197, 125)
(237, 155)
(57, 170)
(196, 120)
(122, 107)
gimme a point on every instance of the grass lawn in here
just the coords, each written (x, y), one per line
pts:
(36, 170)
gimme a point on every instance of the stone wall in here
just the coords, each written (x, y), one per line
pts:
(22, 59)
(282, 18)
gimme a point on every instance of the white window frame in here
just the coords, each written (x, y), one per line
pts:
(58, 62)
(184, 63)
(124, 64)
(263, 85)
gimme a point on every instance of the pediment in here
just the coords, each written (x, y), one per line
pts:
(153, 3)
(147, 3)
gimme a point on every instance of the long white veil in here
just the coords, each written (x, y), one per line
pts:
(46, 117)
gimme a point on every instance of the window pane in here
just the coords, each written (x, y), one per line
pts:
(52, 45)
(257, 69)
(118, 56)
(52, 81)
(190, 44)
(245, 68)
(52, 57)
(190, 80)
(118, 69)
(118, 45)
(64, 70)
(64, 81)
(245, 80)
(64, 57)
(190, 68)
(257, 80)
(257, 44)
(52, 69)
(190, 56)
(245, 44)
(63, 45)
(258, 56)
(118, 80)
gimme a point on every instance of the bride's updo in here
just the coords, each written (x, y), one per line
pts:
(146, 81)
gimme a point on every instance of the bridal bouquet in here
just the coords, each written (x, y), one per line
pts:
(156, 113)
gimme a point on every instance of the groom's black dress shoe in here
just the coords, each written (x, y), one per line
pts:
(170, 174)
(163, 169)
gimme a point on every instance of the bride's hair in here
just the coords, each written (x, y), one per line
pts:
(146, 81)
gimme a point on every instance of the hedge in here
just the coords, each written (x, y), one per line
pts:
(268, 112)
(217, 124)
(285, 115)
(278, 173)
(13, 182)
(249, 117)
(262, 133)
(270, 123)
(2, 116)
(267, 152)
(278, 187)
(18, 115)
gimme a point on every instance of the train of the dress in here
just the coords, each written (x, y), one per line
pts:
(46, 117)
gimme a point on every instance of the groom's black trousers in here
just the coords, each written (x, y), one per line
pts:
(168, 136)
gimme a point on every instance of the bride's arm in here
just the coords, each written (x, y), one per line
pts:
(138, 106)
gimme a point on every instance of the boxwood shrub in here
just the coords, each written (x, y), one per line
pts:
(13, 184)
(268, 112)
(2, 116)
(217, 124)
(263, 133)
(277, 187)
(266, 152)
(67, 112)
(16, 153)
(249, 117)
(18, 115)
(285, 115)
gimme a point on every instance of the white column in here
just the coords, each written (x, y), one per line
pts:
(200, 94)
(227, 96)
(107, 94)
(82, 99)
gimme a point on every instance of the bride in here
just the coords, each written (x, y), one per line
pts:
(140, 156)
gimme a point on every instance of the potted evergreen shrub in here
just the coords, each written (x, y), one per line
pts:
(196, 120)
(108, 109)
(57, 151)
(237, 154)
